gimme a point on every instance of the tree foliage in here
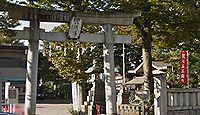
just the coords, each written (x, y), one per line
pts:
(165, 25)
(46, 70)
(72, 59)
(6, 34)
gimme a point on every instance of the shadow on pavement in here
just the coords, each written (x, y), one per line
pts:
(53, 101)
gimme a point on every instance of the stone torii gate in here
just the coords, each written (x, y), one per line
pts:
(34, 34)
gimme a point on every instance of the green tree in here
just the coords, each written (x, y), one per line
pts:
(166, 22)
(181, 34)
(132, 54)
(133, 51)
(71, 59)
(6, 35)
(46, 70)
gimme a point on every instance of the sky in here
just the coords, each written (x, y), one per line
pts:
(48, 26)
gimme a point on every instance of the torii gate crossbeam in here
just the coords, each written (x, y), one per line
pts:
(61, 36)
(28, 13)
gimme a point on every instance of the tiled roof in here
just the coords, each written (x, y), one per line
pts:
(159, 65)
(136, 80)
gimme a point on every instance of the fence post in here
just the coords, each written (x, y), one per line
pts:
(163, 95)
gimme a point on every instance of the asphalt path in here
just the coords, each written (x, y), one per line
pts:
(53, 107)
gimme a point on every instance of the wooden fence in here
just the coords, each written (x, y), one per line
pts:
(175, 101)
(183, 101)
(169, 101)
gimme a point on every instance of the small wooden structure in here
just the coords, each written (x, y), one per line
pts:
(138, 80)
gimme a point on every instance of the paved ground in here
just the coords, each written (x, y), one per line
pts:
(48, 107)
(53, 109)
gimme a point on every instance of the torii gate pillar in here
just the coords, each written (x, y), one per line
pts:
(32, 69)
(109, 72)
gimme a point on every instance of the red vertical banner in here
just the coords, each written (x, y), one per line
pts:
(183, 79)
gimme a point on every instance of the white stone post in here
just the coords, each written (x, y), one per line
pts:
(75, 96)
(32, 69)
(124, 66)
(160, 92)
(80, 96)
(7, 87)
(163, 95)
(0, 95)
(157, 94)
(109, 73)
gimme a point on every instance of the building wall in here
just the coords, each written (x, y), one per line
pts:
(13, 54)
(13, 67)
(12, 62)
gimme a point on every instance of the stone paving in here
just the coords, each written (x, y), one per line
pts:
(53, 109)
(46, 107)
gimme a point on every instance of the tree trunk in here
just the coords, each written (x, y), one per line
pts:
(147, 62)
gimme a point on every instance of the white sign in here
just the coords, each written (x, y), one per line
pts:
(75, 28)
